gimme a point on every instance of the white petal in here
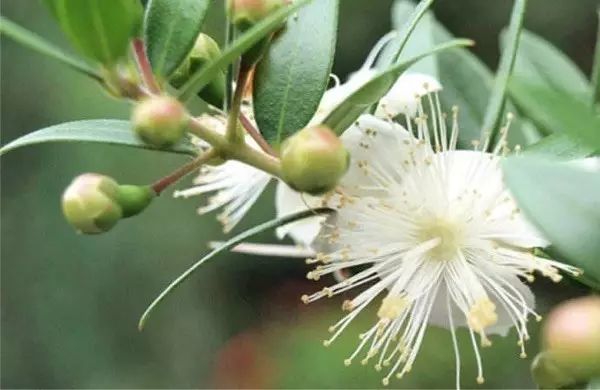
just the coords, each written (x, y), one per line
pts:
(472, 170)
(404, 96)
(439, 312)
(337, 94)
(381, 145)
(288, 201)
(235, 187)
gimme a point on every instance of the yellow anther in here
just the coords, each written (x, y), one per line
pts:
(482, 315)
(392, 306)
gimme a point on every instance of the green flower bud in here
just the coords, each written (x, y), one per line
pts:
(134, 199)
(547, 375)
(159, 121)
(246, 13)
(313, 160)
(90, 203)
(571, 337)
(204, 51)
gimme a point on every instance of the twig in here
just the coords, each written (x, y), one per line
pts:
(144, 66)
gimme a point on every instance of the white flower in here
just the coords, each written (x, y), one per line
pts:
(234, 186)
(436, 237)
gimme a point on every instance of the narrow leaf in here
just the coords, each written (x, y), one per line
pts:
(353, 106)
(205, 74)
(170, 30)
(539, 62)
(493, 114)
(556, 112)
(37, 43)
(560, 145)
(563, 201)
(104, 131)
(596, 69)
(231, 243)
(99, 29)
(291, 79)
(405, 31)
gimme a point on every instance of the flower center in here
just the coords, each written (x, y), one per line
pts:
(450, 238)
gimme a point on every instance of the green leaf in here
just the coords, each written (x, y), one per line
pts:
(354, 105)
(563, 201)
(105, 131)
(231, 53)
(556, 112)
(495, 107)
(37, 43)
(99, 29)
(170, 30)
(290, 80)
(539, 62)
(414, 25)
(560, 145)
(274, 223)
(595, 97)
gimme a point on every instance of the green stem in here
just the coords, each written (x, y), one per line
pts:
(237, 151)
(235, 109)
(37, 43)
(161, 184)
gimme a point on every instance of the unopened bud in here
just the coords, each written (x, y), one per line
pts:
(246, 13)
(204, 51)
(572, 337)
(159, 121)
(313, 160)
(547, 375)
(90, 203)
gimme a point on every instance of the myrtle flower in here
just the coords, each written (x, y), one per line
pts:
(434, 234)
(234, 187)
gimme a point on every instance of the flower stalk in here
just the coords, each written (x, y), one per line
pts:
(160, 185)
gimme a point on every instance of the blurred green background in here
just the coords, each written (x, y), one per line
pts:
(70, 303)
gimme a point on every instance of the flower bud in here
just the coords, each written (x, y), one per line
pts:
(313, 160)
(547, 375)
(159, 121)
(90, 203)
(246, 13)
(204, 51)
(572, 337)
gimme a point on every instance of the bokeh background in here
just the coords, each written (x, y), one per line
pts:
(70, 303)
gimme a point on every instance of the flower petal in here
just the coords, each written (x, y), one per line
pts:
(288, 201)
(236, 187)
(405, 94)
(377, 148)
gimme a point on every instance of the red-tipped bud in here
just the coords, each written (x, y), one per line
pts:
(245, 13)
(572, 337)
(313, 160)
(90, 203)
(159, 121)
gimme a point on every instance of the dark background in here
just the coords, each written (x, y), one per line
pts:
(70, 303)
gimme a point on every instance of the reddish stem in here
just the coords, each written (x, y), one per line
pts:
(161, 184)
(256, 135)
(144, 66)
